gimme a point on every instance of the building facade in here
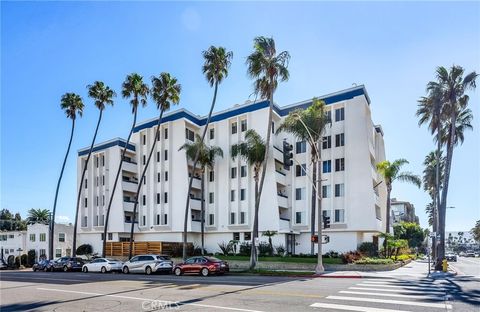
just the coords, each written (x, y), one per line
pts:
(36, 237)
(352, 195)
(403, 211)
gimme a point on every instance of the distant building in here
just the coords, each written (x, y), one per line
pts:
(403, 211)
(36, 237)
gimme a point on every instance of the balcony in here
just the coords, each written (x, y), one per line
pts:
(197, 183)
(195, 203)
(129, 186)
(129, 166)
(128, 206)
(282, 201)
(196, 226)
(280, 177)
(278, 154)
(127, 227)
(284, 224)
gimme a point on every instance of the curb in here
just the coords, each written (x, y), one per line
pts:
(337, 276)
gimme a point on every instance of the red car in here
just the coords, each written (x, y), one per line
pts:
(201, 265)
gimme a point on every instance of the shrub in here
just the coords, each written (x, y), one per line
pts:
(196, 250)
(226, 248)
(11, 261)
(264, 249)
(368, 260)
(245, 249)
(85, 250)
(31, 257)
(331, 254)
(351, 257)
(280, 250)
(24, 259)
(368, 249)
(404, 257)
(17, 261)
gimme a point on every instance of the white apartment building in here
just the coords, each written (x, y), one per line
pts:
(351, 148)
(36, 237)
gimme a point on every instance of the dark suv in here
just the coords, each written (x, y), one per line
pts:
(66, 264)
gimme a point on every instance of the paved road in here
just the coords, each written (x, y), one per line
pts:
(467, 266)
(41, 291)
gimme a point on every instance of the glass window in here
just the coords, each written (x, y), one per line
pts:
(158, 156)
(165, 219)
(339, 190)
(165, 133)
(232, 218)
(233, 172)
(300, 193)
(158, 198)
(234, 127)
(166, 154)
(327, 166)
(301, 147)
(144, 139)
(211, 197)
(212, 134)
(158, 177)
(86, 183)
(340, 164)
(32, 237)
(189, 135)
(242, 217)
(243, 171)
(326, 191)
(144, 160)
(339, 216)
(166, 175)
(58, 252)
(211, 218)
(340, 114)
(43, 237)
(300, 170)
(247, 236)
(211, 176)
(144, 220)
(329, 115)
(236, 236)
(298, 217)
(165, 197)
(244, 125)
(327, 142)
(110, 236)
(61, 237)
(144, 200)
(232, 195)
(242, 195)
(339, 139)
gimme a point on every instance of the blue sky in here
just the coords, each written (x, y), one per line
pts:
(49, 48)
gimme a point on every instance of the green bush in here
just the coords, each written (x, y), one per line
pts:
(264, 249)
(31, 257)
(226, 248)
(404, 257)
(331, 254)
(368, 249)
(17, 261)
(280, 250)
(368, 260)
(245, 249)
(85, 250)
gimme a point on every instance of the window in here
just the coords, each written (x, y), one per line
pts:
(165, 219)
(340, 114)
(211, 197)
(298, 217)
(42, 252)
(301, 147)
(165, 133)
(58, 252)
(211, 176)
(158, 219)
(144, 200)
(300, 193)
(234, 127)
(43, 237)
(300, 170)
(166, 154)
(103, 179)
(102, 220)
(144, 160)
(85, 221)
(32, 237)
(327, 166)
(243, 171)
(144, 139)
(211, 219)
(96, 161)
(96, 181)
(329, 115)
(339, 216)
(166, 175)
(96, 201)
(103, 160)
(326, 191)
(212, 134)
(339, 164)
(158, 156)
(242, 217)
(326, 213)
(11, 236)
(96, 221)
(61, 237)
(242, 195)
(86, 183)
(158, 177)
(232, 195)
(339, 139)
(236, 236)
(3, 237)
(232, 218)
(339, 190)
(243, 125)
(233, 172)
(165, 197)
(327, 142)
(247, 236)
(110, 236)
(189, 135)
(273, 127)
(144, 220)
(86, 203)
(158, 198)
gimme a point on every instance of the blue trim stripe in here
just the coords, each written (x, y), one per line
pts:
(253, 107)
(107, 145)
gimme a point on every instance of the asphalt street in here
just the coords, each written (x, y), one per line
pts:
(59, 291)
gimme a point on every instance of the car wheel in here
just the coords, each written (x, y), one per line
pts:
(125, 270)
(103, 269)
(178, 271)
(65, 268)
(148, 270)
(85, 270)
(204, 272)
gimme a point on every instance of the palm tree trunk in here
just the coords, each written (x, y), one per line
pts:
(52, 226)
(319, 268)
(253, 257)
(314, 200)
(202, 213)
(140, 182)
(75, 227)
(107, 217)
(436, 207)
(187, 204)
(385, 243)
(253, 251)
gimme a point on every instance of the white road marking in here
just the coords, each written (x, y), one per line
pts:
(330, 306)
(47, 278)
(173, 303)
(411, 303)
(393, 295)
(396, 290)
(427, 288)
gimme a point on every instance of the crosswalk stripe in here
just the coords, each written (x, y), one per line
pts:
(393, 295)
(331, 306)
(403, 287)
(396, 290)
(399, 283)
(411, 303)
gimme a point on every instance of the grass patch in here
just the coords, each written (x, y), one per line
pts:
(273, 273)
(283, 259)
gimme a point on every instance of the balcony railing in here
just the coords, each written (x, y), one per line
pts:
(282, 195)
(129, 160)
(280, 172)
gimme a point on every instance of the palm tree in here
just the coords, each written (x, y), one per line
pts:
(72, 104)
(38, 216)
(266, 67)
(390, 171)
(215, 68)
(165, 92)
(206, 158)
(133, 87)
(308, 125)
(270, 234)
(253, 152)
(102, 95)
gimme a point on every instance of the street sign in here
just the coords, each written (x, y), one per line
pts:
(433, 234)
(325, 239)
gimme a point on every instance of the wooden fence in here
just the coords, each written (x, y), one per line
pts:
(121, 249)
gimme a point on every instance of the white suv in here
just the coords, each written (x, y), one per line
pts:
(148, 264)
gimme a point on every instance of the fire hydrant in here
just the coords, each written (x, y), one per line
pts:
(444, 265)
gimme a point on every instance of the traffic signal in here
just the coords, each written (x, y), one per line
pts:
(326, 222)
(314, 238)
(287, 155)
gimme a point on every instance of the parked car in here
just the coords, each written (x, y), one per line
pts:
(148, 264)
(202, 265)
(102, 265)
(42, 265)
(470, 254)
(3, 265)
(67, 264)
(451, 257)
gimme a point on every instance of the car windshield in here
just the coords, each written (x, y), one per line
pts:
(213, 259)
